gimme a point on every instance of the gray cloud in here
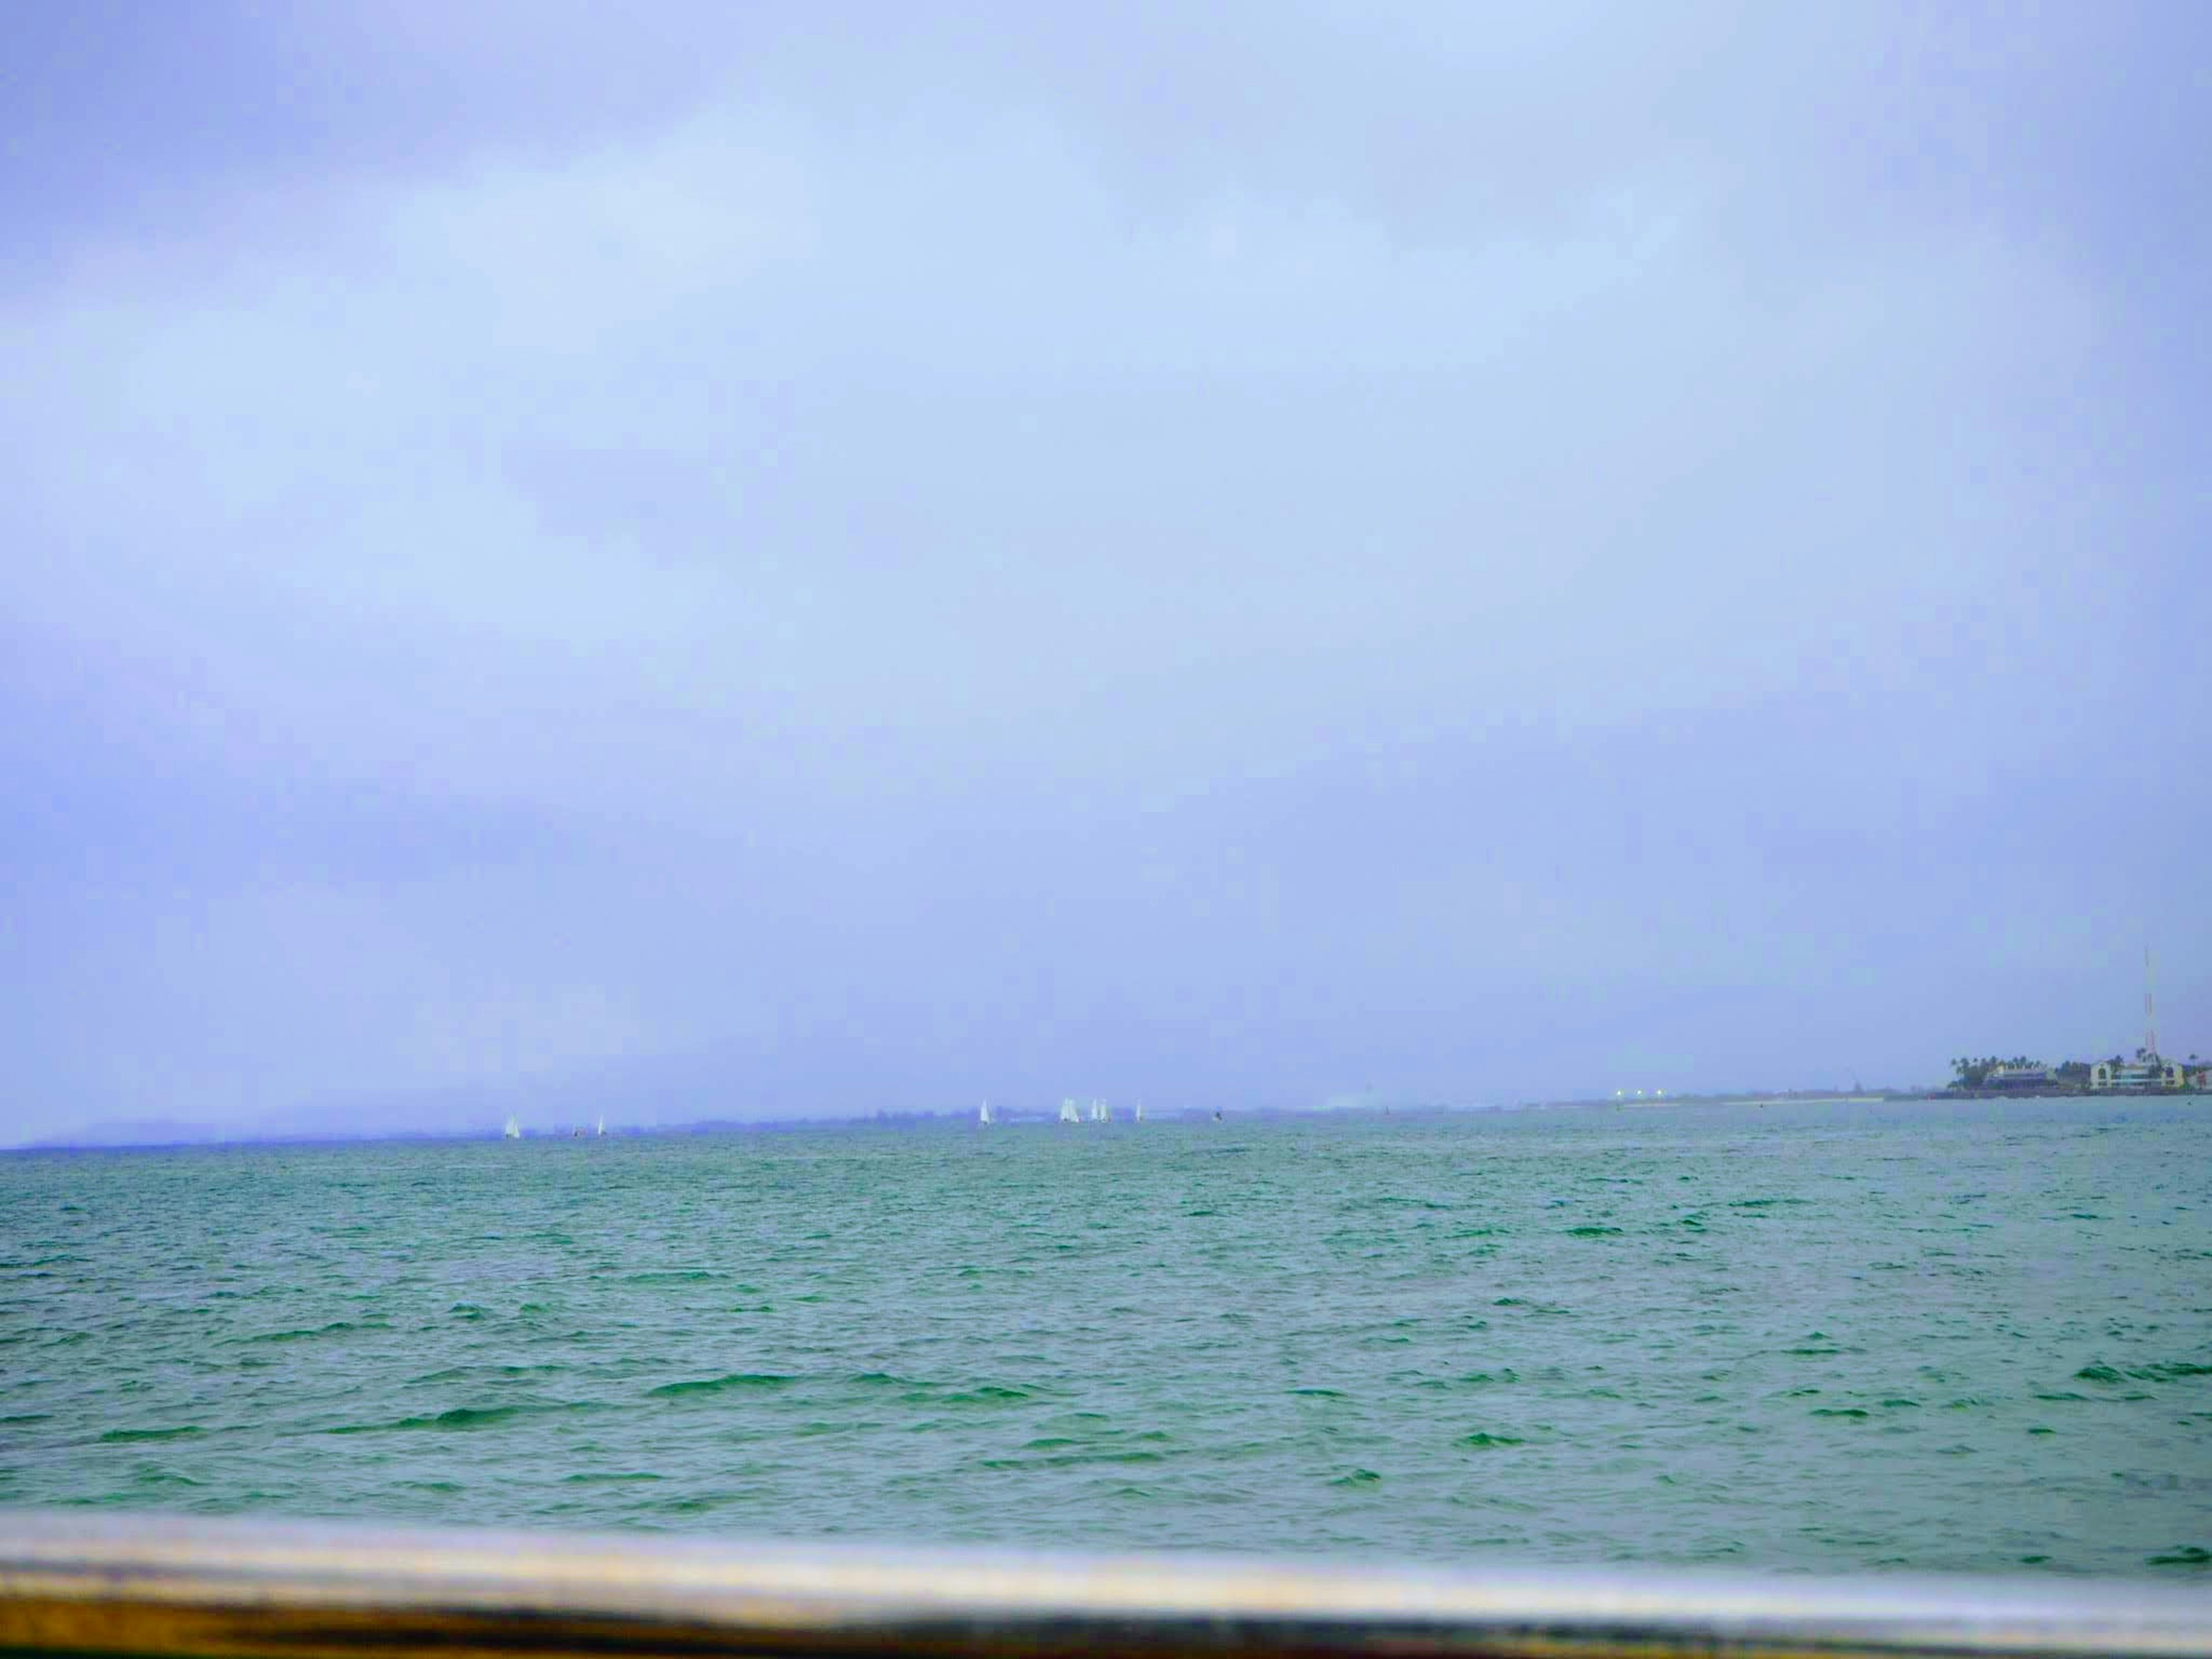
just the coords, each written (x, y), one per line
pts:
(1248, 554)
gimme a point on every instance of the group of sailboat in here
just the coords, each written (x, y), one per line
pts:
(986, 1115)
(1097, 1111)
(513, 1131)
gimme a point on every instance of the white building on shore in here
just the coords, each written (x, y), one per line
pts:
(2137, 1076)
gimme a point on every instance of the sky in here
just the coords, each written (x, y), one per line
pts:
(723, 561)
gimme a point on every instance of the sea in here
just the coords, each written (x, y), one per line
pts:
(1970, 1336)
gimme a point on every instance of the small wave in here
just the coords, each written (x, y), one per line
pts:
(1358, 1478)
(151, 1477)
(461, 1417)
(1837, 1411)
(1481, 1440)
(2182, 1555)
(1593, 1232)
(986, 1395)
(697, 1504)
(2171, 1371)
(735, 1380)
(127, 1437)
(591, 1477)
(1073, 1460)
(336, 1328)
(1320, 1394)
(674, 1276)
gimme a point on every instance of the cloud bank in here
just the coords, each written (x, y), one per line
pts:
(774, 561)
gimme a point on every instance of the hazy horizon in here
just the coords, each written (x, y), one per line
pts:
(474, 1115)
(809, 556)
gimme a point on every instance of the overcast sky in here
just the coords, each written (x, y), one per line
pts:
(733, 560)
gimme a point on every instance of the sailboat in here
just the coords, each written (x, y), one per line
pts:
(602, 1127)
(983, 1116)
(1067, 1112)
(513, 1130)
(1140, 1117)
(1101, 1113)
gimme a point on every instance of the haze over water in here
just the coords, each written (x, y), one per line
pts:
(1816, 1337)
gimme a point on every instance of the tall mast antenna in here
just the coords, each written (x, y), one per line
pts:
(2150, 1009)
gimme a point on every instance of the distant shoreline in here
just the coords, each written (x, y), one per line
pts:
(186, 1138)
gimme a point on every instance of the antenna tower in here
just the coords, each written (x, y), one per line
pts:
(2150, 1009)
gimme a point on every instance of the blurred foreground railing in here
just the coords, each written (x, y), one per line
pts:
(142, 1585)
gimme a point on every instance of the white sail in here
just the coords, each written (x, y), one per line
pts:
(1139, 1115)
(513, 1130)
(1067, 1112)
(983, 1116)
(602, 1127)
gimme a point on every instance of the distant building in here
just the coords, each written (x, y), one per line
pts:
(2136, 1075)
(2017, 1077)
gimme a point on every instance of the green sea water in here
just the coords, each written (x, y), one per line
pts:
(1950, 1337)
